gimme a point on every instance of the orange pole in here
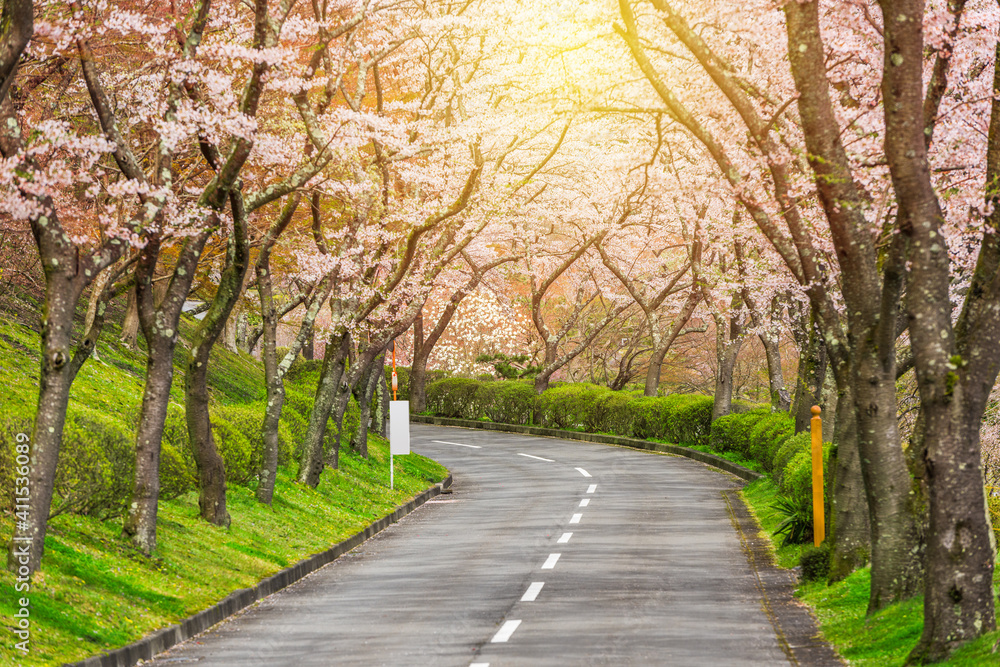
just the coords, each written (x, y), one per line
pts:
(819, 519)
(395, 381)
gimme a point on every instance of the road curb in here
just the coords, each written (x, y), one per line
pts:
(632, 443)
(161, 640)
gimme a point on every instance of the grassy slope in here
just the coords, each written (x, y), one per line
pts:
(95, 593)
(884, 639)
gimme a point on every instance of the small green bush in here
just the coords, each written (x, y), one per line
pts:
(614, 413)
(454, 398)
(295, 416)
(588, 405)
(815, 563)
(735, 432)
(690, 420)
(304, 372)
(506, 401)
(571, 405)
(648, 417)
(801, 442)
(96, 467)
(767, 436)
(248, 420)
(178, 472)
(796, 525)
(235, 449)
(796, 481)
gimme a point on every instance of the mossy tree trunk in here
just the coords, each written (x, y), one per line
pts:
(311, 464)
(274, 368)
(159, 324)
(368, 387)
(811, 374)
(211, 468)
(850, 532)
(872, 301)
(728, 340)
(956, 365)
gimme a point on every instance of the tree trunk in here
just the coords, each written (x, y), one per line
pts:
(723, 402)
(229, 334)
(130, 325)
(872, 302)
(811, 375)
(652, 387)
(140, 522)
(418, 368)
(956, 366)
(896, 548)
(371, 382)
(728, 340)
(418, 384)
(382, 407)
(211, 468)
(542, 381)
(55, 378)
(662, 345)
(326, 393)
(309, 349)
(352, 378)
(159, 323)
(273, 379)
(780, 399)
(269, 430)
(850, 534)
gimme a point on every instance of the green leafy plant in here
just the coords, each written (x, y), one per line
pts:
(796, 525)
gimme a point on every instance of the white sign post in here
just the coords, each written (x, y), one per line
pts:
(399, 433)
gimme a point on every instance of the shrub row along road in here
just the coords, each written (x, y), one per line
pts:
(547, 553)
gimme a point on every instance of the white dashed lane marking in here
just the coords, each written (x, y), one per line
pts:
(533, 590)
(591, 488)
(505, 631)
(551, 561)
(576, 518)
(584, 502)
(564, 538)
(584, 472)
(457, 444)
(530, 456)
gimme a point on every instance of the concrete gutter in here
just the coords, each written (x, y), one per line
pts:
(708, 459)
(161, 640)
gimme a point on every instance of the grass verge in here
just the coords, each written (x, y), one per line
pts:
(881, 640)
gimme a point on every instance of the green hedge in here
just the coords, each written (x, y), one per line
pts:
(571, 406)
(680, 418)
(507, 402)
(455, 398)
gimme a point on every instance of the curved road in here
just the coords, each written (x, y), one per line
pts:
(549, 552)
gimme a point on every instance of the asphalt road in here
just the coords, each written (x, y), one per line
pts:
(579, 554)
